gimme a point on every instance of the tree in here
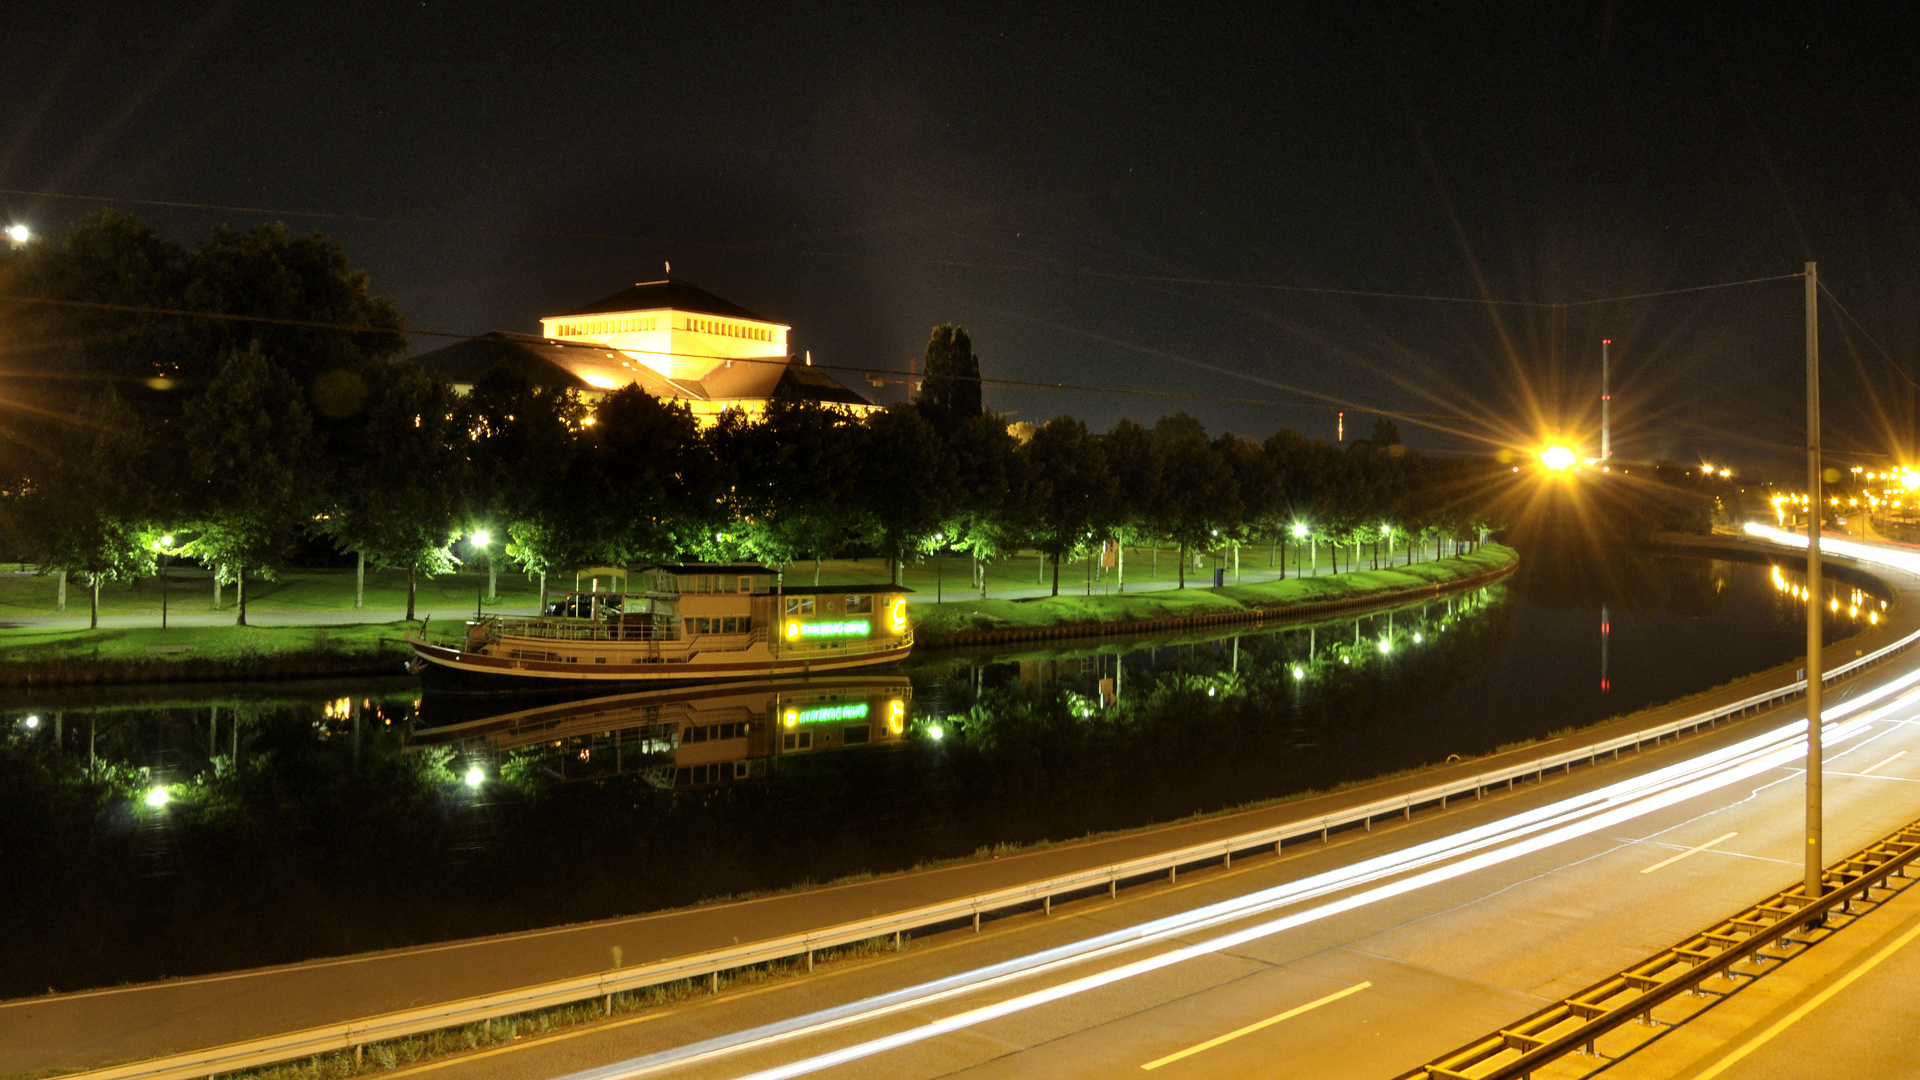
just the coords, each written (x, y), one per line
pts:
(645, 478)
(85, 512)
(988, 485)
(906, 480)
(795, 470)
(1133, 458)
(255, 467)
(1072, 489)
(521, 445)
(950, 394)
(1197, 488)
(395, 500)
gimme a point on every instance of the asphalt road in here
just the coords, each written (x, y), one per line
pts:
(1360, 957)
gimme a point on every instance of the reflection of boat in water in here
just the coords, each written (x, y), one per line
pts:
(687, 623)
(695, 736)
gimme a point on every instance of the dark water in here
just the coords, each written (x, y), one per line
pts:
(317, 819)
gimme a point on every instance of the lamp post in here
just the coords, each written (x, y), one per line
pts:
(939, 584)
(1814, 881)
(480, 539)
(1299, 533)
(164, 547)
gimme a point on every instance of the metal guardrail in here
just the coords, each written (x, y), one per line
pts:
(1575, 1022)
(359, 1033)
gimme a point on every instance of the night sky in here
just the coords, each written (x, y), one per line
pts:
(1102, 196)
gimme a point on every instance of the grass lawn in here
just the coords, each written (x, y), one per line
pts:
(937, 621)
(190, 592)
(114, 655)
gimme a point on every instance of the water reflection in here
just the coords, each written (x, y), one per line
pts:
(689, 737)
(303, 821)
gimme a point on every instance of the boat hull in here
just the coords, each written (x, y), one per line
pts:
(482, 667)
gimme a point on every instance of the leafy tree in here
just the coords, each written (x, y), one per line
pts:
(906, 480)
(521, 444)
(796, 469)
(396, 495)
(644, 475)
(988, 482)
(86, 512)
(1198, 492)
(1073, 490)
(257, 474)
(1133, 459)
(950, 394)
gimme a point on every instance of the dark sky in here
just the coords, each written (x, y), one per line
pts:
(1039, 173)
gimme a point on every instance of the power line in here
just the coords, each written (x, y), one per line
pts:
(963, 264)
(1865, 333)
(1017, 384)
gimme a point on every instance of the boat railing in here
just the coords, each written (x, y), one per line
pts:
(564, 629)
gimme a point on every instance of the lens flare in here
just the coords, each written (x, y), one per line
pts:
(1558, 458)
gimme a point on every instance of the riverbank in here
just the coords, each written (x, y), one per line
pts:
(997, 622)
(35, 656)
(39, 657)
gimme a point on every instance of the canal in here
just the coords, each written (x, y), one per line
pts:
(149, 832)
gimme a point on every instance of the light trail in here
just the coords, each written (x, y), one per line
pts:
(1483, 846)
(1523, 833)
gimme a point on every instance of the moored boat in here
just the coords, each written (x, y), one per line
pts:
(685, 623)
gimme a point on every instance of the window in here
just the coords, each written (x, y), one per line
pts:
(853, 736)
(746, 584)
(797, 740)
(860, 605)
(799, 605)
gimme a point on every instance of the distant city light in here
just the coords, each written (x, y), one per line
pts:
(157, 797)
(1558, 458)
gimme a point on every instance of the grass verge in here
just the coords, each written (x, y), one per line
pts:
(42, 657)
(941, 622)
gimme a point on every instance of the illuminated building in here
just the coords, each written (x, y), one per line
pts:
(672, 339)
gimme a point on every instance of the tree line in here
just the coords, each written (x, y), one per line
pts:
(259, 425)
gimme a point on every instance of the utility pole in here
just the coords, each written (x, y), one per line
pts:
(1606, 399)
(1814, 883)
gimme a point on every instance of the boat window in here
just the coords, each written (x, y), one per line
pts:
(746, 584)
(860, 605)
(799, 605)
(855, 735)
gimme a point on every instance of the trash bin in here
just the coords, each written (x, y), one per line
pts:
(1219, 576)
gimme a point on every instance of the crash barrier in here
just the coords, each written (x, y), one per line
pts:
(356, 1034)
(1575, 1023)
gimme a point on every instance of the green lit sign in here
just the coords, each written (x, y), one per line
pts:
(822, 713)
(850, 628)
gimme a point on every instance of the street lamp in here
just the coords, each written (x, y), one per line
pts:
(480, 539)
(19, 235)
(939, 594)
(164, 546)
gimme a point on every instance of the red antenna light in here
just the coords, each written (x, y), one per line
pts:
(1606, 341)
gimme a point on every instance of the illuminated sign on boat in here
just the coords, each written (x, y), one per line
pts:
(850, 628)
(820, 713)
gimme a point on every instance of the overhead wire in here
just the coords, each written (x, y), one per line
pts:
(896, 375)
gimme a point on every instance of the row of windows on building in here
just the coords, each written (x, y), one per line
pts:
(850, 605)
(728, 624)
(603, 327)
(702, 732)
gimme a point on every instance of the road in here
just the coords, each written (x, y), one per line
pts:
(1359, 957)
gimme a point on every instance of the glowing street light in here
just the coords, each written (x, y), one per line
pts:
(157, 797)
(1558, 458)
(475, 777)
(19, 234)
(1910, 479)
(480, 539)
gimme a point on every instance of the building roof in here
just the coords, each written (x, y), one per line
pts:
(545, 362)
(549, 362)
(828, 590)
(669, 293)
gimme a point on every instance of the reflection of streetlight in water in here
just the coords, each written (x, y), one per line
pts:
(1606, 631)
